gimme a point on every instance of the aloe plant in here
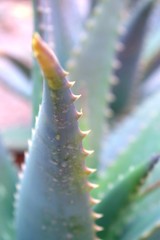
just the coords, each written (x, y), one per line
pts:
(60, 195)
(131, 46)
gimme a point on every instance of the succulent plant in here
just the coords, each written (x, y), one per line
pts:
(66, 190)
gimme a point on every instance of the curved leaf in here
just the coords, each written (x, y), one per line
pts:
(126, 90)
(116, 195)
(129, 144)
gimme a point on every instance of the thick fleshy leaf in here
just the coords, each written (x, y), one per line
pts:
(139, 224)
(91, 65)
(129, 144)
(126, 91)
(136, 152)
(151, 48)
(53, 199)
(68, 22)
(116, 195)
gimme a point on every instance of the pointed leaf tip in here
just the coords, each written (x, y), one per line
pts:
(48, 62)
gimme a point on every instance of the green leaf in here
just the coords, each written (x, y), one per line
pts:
(141, 225)
(138, 223)
(130, 144)
(91, 66)
(151, 49)
(116, 195)
(135, 154)
(128, 55)
(53, 199)
(54, 21)
(67, 23)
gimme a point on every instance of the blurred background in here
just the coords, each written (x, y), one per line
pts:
(15, 74)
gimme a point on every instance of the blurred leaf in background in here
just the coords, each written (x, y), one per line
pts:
(15, 74)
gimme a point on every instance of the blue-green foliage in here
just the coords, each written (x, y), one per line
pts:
(55, 171)
(126, 91)
(54, 200)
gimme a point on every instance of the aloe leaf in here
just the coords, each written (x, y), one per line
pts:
(55, 173)
(134, 222)
(143, 146)
(115, 196)
(54, 21)
(91, 65)
(152, 44)
(128, 55)
(132, 137)
(135, 209)
(8, 179)
(141, 225)
(138, 223)
(64, 15)
(41, 13)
